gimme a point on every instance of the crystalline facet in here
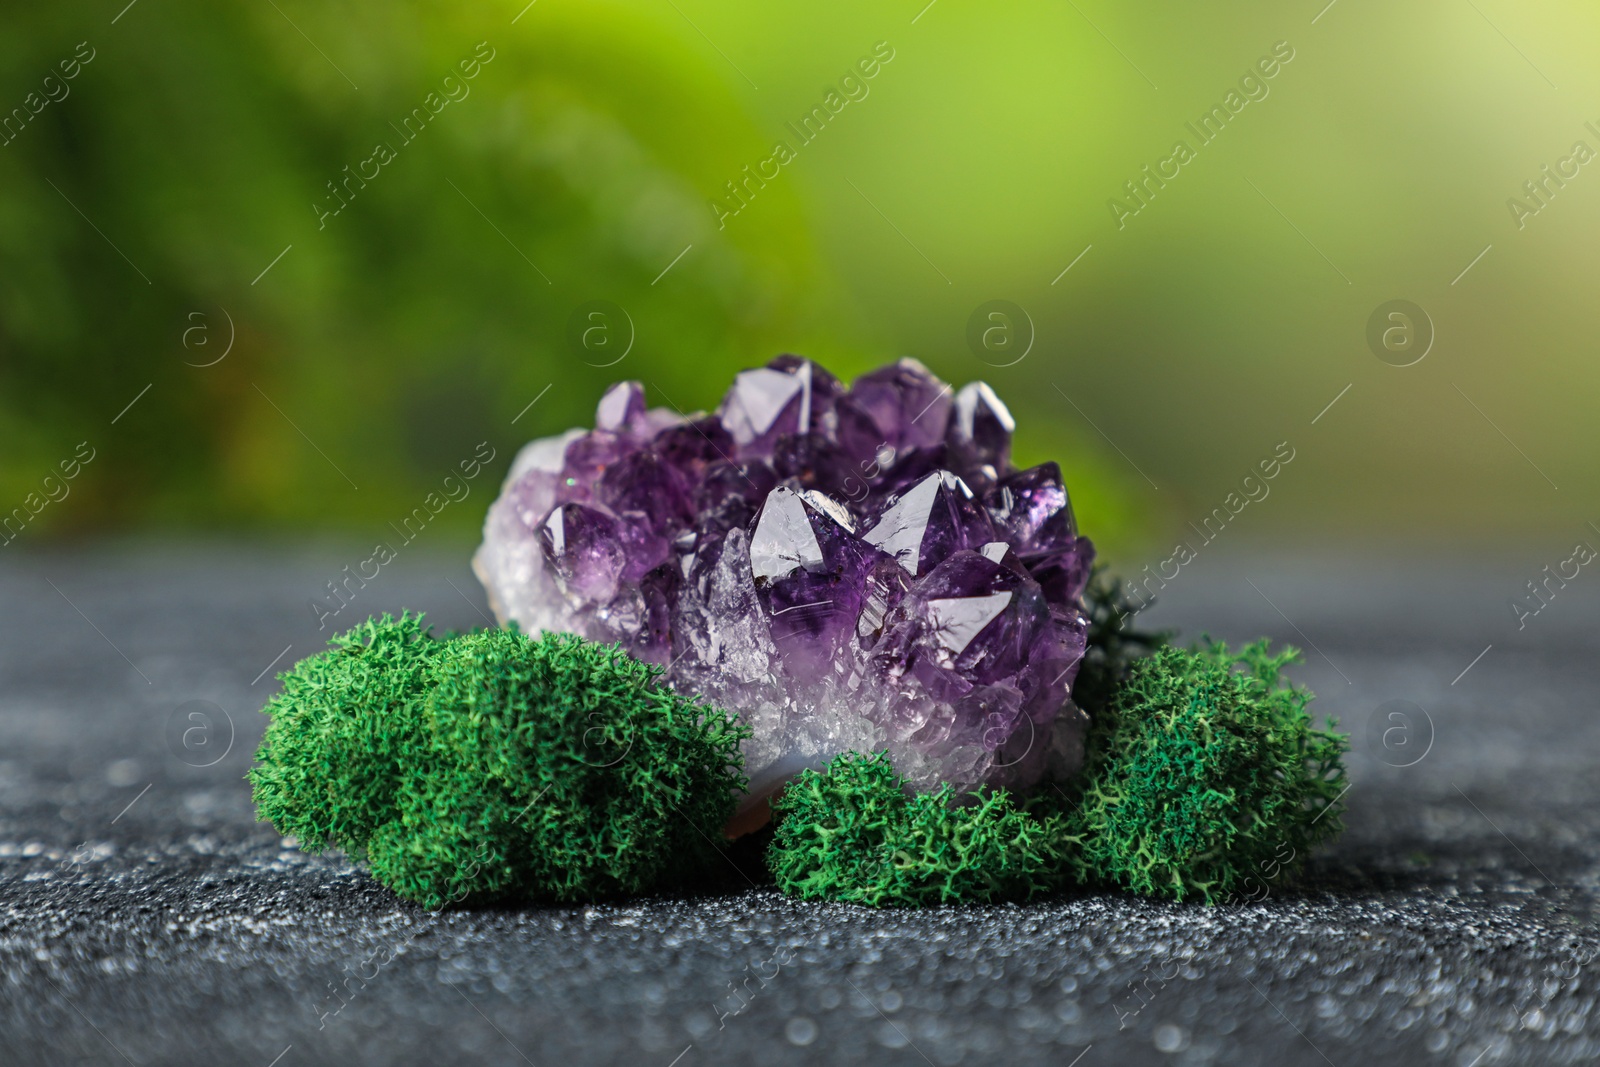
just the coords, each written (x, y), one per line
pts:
(958, 620)
(909, 406)
(622, 411)
(844, 569)
(645, 485)
(809, 571)
(981, 428)
(1032, 509)
(584, 549)
(767, 402)
(933, 518)
(783, 541)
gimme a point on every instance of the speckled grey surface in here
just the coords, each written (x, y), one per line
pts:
(145, 917)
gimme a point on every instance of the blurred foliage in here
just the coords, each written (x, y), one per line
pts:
(408, 329)
(1175, 354)
(424, 317)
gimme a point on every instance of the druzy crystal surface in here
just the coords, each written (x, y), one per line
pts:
(844, 568)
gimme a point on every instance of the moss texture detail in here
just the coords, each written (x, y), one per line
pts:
(493, 765)
(1204, 777)
(853, 833)
(342, 728)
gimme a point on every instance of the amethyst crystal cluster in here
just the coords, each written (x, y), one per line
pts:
(854, 568)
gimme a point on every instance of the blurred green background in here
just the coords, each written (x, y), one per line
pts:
(165, 206)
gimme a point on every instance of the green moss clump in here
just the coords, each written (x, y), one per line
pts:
(853, 833)
(557, 768)
(1203, 774)
(331, 760)
(496, 765)
(493, 765)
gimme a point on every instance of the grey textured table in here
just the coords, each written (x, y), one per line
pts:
(146, 917)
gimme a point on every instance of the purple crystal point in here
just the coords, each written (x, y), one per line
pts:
(908, 467)
(643, 546)
(622, 411)
(980, 431)
(1002, 553)
(823, 390)
(933, 518)
(808, 567)
(783, 542)
(974, 617)
(844, 569)
(957, 621)
(762, 404)
(1063, 573)
(961, 639)
(730, 495)
(584, 549)
(1032, 508)
(859, 437)
(652, 640)
(1053, 661)
(885, 585)
(812, 461)
(909, 406)
(587, 458)
(789, 396)
(695, 445)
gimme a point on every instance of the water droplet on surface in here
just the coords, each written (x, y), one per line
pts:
(1169, 1038)
(891, 1036)
(124, 772)
(800, 1031)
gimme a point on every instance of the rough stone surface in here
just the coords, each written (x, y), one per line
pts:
(854, 568)
(1454, 923)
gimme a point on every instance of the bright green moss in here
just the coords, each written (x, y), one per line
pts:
(557, 768)
(1204, 777)
(853, 833)
(330, 761)
(493, 765)
(498, 765)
